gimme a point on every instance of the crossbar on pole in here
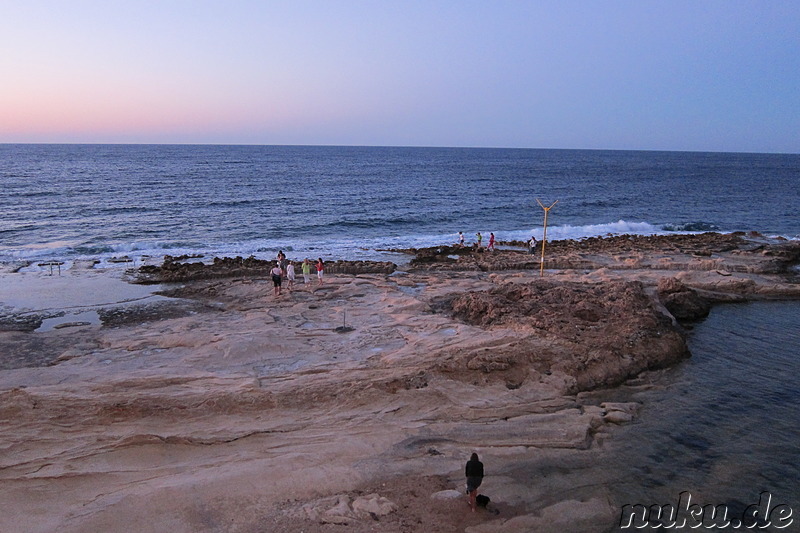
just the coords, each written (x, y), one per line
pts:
(544, 233)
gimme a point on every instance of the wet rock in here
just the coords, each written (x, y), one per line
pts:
(608, 331)
(21, 322)
(440, 254)
(618, 417)
(71, 324)
(172, 270)
(683, 302)
(630, 408)
(137, 314)
(359, 267)
(707, 251)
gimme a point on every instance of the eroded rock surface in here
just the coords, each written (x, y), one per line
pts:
(602, 333)
(178, 270)
(683, 302)
(735, 252)
(348, 405)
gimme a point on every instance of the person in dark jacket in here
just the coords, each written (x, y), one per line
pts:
(474, 473)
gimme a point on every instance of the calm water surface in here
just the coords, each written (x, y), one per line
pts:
(727, 425)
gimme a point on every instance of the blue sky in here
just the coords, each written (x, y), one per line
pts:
(665, 75)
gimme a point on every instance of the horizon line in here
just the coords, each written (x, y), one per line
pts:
(398, 146)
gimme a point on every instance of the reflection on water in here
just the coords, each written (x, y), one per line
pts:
(727, 425)
(80, 318)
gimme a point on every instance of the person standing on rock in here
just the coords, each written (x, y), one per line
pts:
(474, 473)
(290, 274)
(460, 239)
(282, 261)
(306, 271)
(491, 242)
(480, 238)
(320, 270)
(532, 245)
(277, 276)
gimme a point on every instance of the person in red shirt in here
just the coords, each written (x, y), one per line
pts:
(320, 270)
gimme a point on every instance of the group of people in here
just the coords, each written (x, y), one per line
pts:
(478, 240)
(284, 269)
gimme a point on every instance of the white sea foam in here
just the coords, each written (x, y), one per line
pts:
(620, 227)
(350, 202)
(134, 254)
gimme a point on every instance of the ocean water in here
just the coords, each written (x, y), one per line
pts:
(726, 425)
(67, 202)
(722, 425)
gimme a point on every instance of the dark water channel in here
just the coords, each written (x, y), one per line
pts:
(724, 426)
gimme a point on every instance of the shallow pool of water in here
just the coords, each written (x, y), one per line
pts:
(726, 425)
(76, 319)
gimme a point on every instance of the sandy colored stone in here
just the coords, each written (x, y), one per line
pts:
(214, 406)
(630, 408)
(570, 516)
(373, 505)
(618, 417)
(449, 494)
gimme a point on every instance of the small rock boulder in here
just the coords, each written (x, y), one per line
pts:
(445, 495)
(373, 505)
(683, 302)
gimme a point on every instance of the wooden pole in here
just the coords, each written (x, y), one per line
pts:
(544, 233)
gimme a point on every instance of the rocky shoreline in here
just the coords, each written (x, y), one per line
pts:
(175, 270)
(735, 252)
(353, 405)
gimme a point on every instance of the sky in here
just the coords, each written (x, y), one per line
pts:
(698, 75)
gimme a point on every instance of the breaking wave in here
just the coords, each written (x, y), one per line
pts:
(369, 248)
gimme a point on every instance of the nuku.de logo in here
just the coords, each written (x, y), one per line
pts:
(686, 514)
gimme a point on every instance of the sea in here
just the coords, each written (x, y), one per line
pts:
(723, 426)
(67, 202)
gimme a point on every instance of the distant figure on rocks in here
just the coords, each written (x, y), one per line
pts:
(320, 270)
(306, 271)
(282, 261)
(290, 274)
(480, 238)
(277, 276)
(474, 473)
(460, 239)
(532, 245)
(491, 242)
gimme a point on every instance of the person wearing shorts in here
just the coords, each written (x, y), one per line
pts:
(282, 262)
(277, 276)
(320, 270)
